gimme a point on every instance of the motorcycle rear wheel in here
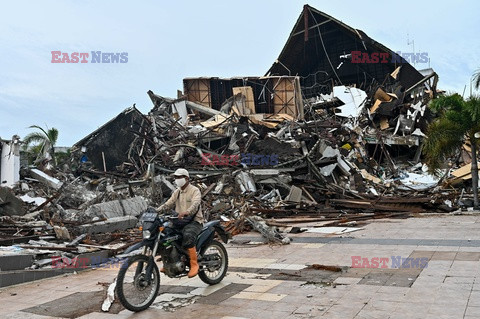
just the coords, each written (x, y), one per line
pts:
(213, 275)
(133, 290)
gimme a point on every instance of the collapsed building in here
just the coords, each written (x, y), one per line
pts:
(332, 123)
(318, 140)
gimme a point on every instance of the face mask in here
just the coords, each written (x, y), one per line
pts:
(180, 182)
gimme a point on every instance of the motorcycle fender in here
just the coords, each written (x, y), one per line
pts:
(222, 233)
(205, 237)
(135, 247)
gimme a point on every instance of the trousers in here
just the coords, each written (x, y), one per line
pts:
(190, 233)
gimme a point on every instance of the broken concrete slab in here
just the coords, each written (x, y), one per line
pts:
(118, 208)
(203, 109)
(246, 182)
(110, 225)
(61, 232)
(295, 195)
(10, 205)
(46, 179)
(134, 206)
(260, 174)
(328, 170)
(33, 200)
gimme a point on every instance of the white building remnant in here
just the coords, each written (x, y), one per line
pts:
(10, 161)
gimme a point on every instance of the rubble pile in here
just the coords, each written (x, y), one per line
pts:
(269, 153)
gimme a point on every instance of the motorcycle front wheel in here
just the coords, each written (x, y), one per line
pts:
(134, 290)
(216, 254)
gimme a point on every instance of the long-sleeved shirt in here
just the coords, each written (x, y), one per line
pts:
(188, 200)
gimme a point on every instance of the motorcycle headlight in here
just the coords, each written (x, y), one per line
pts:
(146, 234)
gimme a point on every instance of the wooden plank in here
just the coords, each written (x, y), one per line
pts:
(382, 95)
(375, 106)
(218, 119)
(298, 99)
(258, 119)
(246, 91)
(464, 172)
(384, 123)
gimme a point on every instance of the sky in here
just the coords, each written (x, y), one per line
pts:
(167, 41)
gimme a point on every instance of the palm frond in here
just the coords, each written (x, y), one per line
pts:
(452, 102)
(444, 139)
(52, 136)
(473, 108)
(40, 128)
(476, 79)
(34, 138)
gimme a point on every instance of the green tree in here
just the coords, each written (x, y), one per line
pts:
(44, 141)
(476, 79)
(458, 121)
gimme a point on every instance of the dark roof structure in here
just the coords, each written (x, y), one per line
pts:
(317, 50)
(108, 146)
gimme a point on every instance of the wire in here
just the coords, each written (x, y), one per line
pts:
(324, 49)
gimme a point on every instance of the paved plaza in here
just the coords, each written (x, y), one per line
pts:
(424, 267)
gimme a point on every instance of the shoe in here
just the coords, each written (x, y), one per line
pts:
(192, 253)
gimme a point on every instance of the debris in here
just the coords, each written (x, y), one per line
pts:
(270, 233)
(110, 296)
(333, 146)
(464, 172)
(10, 161)
(323, 267)
(77, 240)
(10, 205)
(35, 200)
(110, 225)
(332, 230)
(353, 99)
(245, 182)
(61, 233)
(118, 208)
(295, 195)
(46, 179)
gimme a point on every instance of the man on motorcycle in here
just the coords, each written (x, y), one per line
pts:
(187, 199)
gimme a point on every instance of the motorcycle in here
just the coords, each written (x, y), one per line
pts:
(138, 280)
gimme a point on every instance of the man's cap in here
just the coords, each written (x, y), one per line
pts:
(181, 172)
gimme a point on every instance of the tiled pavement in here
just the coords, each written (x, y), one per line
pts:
(272, 282)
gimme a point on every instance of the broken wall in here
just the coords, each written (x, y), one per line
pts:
(10, 161)
(271, 95)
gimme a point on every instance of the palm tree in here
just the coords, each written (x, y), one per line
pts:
(476, 79)
(458, 121)
(44, 140)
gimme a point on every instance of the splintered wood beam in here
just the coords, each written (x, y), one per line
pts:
(204, 109)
